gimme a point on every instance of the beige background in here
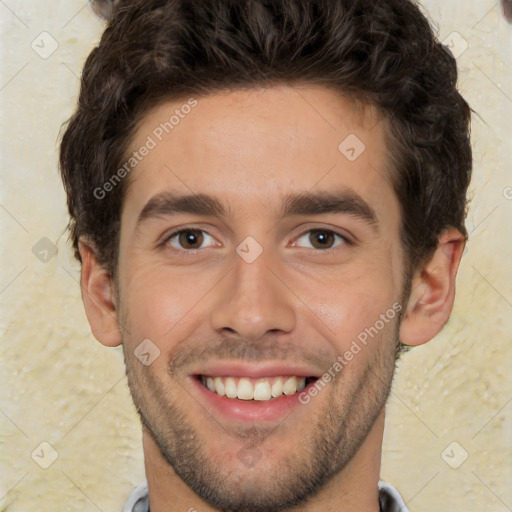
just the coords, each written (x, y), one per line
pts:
(63, 388)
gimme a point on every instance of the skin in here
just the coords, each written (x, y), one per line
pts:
(295, 302)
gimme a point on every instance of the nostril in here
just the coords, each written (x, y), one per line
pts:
(506, 9)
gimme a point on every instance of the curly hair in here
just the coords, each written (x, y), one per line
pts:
(384, 54)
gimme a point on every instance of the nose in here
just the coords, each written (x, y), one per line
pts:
(254, 299)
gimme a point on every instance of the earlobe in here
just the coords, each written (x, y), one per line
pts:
(433, 291)
(98, 297)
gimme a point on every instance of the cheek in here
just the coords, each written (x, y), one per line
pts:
(154, 304)
(347, 318)
(355, 305)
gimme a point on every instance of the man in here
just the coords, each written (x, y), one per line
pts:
(267, 198)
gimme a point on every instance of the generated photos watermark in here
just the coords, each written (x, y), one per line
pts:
(348, 355)
(152, 140)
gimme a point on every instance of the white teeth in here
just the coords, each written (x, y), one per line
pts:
(230, 387)
(290, 386)
(245, 389)
(262, 390)
(209, 384)
(277, 387)
(219, 386)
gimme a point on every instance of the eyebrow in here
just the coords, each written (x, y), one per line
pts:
(344, 201)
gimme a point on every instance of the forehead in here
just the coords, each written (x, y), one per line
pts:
(253, 147)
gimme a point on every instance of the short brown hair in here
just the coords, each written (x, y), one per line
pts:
(382, 53)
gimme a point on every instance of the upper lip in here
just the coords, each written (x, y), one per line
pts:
(264, 369)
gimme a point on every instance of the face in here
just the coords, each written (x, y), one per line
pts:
(287, 281)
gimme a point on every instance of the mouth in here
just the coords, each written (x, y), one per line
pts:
(260, 389)
(241, 391)
(252, 399)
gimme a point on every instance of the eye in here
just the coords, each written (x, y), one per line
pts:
(323, 238)
(190, 239)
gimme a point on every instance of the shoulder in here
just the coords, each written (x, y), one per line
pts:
(389, 498)
(138, 501)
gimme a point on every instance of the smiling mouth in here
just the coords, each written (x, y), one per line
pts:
(256, 389)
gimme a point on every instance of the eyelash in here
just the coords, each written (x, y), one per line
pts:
(170, 236)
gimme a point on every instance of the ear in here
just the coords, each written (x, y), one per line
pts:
(433, 291)
(98, 297)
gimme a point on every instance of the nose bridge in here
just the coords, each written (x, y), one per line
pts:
(252, 299)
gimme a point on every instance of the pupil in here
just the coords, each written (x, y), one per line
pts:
(322, 236)
(190, 237)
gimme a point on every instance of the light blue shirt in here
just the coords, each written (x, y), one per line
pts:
(389, 498)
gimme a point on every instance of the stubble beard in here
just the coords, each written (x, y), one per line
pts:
(334, 437)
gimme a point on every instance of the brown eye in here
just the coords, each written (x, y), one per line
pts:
(323, 238)
(189, 239)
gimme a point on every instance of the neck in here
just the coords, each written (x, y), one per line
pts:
(355, 487)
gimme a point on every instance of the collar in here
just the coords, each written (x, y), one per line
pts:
(389, 499)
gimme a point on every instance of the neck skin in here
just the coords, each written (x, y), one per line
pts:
(354, 488)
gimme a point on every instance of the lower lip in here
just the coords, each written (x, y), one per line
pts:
(249, 410)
